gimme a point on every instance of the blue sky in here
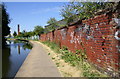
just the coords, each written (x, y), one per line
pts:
(30, 14)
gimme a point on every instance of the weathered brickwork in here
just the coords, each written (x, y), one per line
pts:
(96, 36)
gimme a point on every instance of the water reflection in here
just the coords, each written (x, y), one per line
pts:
(6, 63)
(13, 56)
(8, 42)
(19, 49)
(27, 46)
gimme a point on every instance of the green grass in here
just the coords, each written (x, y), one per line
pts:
(70, 57)
(55, 47)
(75, 59)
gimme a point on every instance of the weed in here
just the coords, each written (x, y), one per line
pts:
(70, 57)
(87, 72)
(57, 64)
(64, 48)
(53, 58)
(74, 59)
(48, 53)
(81, 54)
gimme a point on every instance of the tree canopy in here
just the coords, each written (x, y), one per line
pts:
(52, 24)
(14, 34)
(5, 22)
(82, 10)
(38, 30)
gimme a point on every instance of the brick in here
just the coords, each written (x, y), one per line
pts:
(101, 46)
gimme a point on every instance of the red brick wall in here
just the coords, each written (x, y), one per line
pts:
(96, 36)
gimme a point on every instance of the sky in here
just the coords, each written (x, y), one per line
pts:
(30, 14)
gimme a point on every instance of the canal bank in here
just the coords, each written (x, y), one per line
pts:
(13, 55)
(38, 64)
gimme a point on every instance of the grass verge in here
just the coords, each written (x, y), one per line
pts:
(75, 59)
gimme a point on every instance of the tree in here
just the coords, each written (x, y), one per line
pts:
(82, 10)
(14, 34)
(68, 12)
(26, 34)
(52, 24)
(38, 30)
(52, 21)
(23, 31)
(5, 22)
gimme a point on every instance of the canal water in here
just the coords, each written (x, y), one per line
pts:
(13, 56)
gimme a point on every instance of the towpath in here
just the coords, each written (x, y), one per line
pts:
(38, 64)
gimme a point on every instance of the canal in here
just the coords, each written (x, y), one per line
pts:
(13, 56)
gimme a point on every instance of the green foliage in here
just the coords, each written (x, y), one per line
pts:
(38, 30)
(27, 46)
(57, 64)
(74, 11)
(5, 22)
(75, 60)
(14, 34)
(53, 46)
(64, 48)
(68, 12)
(25, 34)
(81, 54)
(88, 72)
(52, 25)
(48, 53)
(70, 57)
(51, 21)
(0, 15)
(53, 58)
(81, 10)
